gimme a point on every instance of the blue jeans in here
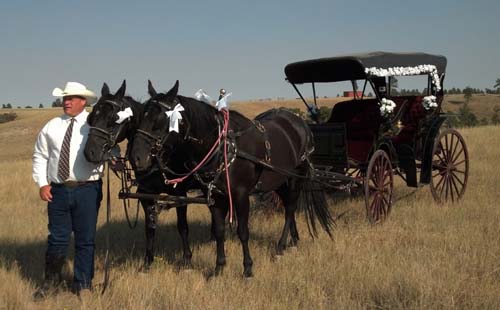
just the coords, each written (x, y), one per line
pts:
(75, 210)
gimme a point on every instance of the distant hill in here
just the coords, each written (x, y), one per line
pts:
(481, 105)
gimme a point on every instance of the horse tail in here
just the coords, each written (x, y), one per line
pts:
(313, 202)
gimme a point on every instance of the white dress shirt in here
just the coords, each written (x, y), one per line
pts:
(48, 147)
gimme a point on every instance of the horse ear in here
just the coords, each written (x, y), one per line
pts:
(121, 91)
(151, 89)
(173, 91)
(105, 90)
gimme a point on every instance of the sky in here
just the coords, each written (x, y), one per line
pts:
(241, 46)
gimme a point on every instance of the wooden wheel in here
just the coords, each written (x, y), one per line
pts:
(450, 167)
(379, 184)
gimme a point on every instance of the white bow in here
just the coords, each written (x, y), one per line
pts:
(201, 95)
(123, 115)
(175, 116)
(223, 103)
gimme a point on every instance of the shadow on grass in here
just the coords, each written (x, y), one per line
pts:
(125, 245)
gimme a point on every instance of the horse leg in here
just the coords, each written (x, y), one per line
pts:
(151, 215)
(219, 211)
(183, 229)
(294, 233)
(242, 212)
(289, 195)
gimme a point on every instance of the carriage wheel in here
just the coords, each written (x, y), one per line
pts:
(450, 167)
(379, 184)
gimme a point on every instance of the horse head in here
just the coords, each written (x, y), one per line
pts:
(111, 120)
(155, 137)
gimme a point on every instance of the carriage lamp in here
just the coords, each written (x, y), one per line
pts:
(399, 124)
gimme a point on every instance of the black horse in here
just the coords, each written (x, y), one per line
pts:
(269, 153)
(104, 134)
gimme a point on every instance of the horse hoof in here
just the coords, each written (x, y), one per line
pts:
(218, 271)
(248, 274)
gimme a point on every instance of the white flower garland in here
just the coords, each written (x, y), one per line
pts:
(402, 71)
(387, 106)
(429, 102)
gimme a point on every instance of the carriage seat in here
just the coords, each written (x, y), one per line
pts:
(362, 121)
(410, 119)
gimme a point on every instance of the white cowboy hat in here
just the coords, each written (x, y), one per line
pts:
(75, 89)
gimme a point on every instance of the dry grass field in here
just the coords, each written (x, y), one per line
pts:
(425, 256)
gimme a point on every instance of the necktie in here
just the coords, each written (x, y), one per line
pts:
(63, 165)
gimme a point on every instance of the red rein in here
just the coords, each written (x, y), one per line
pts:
(222, 134)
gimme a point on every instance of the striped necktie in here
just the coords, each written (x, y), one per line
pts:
(63, 165)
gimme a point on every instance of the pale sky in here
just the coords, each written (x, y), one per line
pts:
(242, 46)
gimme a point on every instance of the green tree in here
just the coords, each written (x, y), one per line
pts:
(4, 106)
(57, 103)
(497, 85)
(495, 118)
(40, 106)
(9, 106)
(468, 93)
(466, 118)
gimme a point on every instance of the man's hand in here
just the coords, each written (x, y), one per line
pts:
(45, 193)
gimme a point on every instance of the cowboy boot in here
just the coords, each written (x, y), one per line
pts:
(53, 276)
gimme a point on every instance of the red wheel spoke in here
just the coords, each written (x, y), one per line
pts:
(458, 155)
(453, 146)
(455, 186)
(442, 187)
(447, 186)
(456, 178)
(441, 180)
(385, 201)
(450, 182)
(446, 150)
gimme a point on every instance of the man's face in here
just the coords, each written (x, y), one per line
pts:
(73, 105)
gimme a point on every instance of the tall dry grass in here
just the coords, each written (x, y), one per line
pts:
(424, 256)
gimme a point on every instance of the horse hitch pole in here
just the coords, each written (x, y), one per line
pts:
(164, 198)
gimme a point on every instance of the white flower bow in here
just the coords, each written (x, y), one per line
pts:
(174, 116)
(123, 115)
(202, 96)
(223, 103)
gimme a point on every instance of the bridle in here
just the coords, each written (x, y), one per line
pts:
(109, 137)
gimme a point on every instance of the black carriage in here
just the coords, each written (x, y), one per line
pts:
(367, 140)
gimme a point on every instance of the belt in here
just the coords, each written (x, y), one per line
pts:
(73, 184)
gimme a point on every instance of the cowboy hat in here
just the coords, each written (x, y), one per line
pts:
(75, 89)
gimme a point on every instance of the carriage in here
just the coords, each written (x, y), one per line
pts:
(367, 140)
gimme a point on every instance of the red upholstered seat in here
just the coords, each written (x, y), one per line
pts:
(410, 119)
(362, 119)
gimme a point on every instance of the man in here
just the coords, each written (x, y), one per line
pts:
(72, 187)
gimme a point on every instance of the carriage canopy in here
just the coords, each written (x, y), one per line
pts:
(358, 66)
